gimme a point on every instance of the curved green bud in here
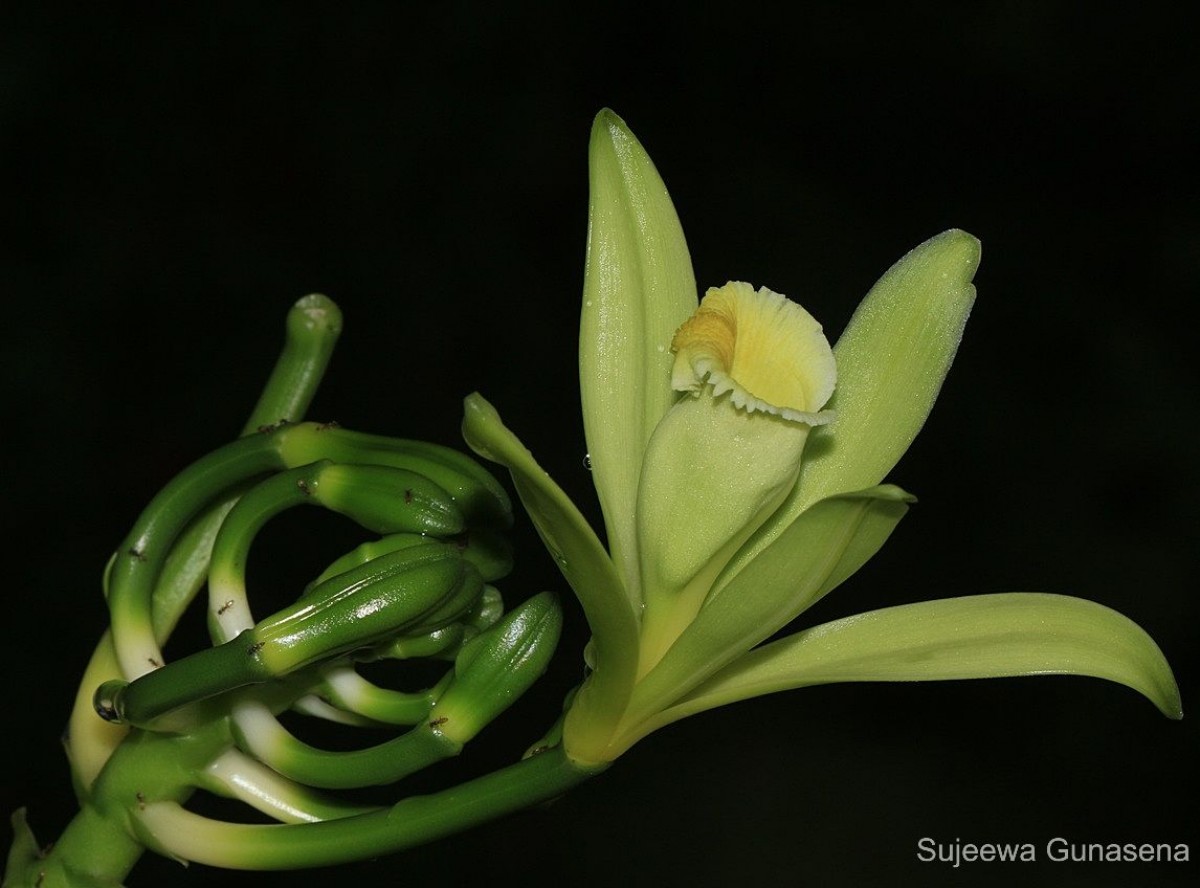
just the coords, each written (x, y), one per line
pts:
(445, 643)
(388, 500)
(489, 611)
(361, 554)
(495, 668)
(380, 498)
(411, 590)
(479, 497)
(488, 550)
(313, 326)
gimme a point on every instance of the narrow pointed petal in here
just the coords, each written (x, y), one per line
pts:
(819, 551)
(891, 361)
(579, 556)
(979, 636)
(639, 287)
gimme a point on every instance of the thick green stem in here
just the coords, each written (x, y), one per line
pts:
(99, 846)
(95, 849)
(170, 829)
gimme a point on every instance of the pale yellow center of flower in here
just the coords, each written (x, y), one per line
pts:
(764, 350)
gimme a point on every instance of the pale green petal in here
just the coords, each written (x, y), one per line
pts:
(891, 361)
(820, 550)
(713, 473)
(579, 556)
(979, 636)
(638, 289)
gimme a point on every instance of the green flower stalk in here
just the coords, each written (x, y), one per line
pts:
(740, 463)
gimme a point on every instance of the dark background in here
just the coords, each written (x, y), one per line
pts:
(174, 177)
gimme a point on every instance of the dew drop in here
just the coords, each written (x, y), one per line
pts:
(587, 461)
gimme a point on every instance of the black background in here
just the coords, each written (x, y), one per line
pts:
(174, 177)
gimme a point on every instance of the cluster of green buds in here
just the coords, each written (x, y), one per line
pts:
(146, 733)
(739, 462)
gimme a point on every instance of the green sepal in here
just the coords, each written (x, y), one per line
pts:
(497, 666)
(638, 288)
(979, 636)
(820, 550)
(580, 557)
(891, 361)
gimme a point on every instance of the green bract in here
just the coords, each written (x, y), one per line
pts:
(733, 501)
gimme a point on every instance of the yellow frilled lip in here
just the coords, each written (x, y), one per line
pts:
(764, 350)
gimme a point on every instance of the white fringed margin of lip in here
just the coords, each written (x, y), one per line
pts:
(764, 351)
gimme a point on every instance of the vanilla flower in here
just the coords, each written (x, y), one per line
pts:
(739, 462)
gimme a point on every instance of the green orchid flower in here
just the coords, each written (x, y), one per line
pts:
(739, 462)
